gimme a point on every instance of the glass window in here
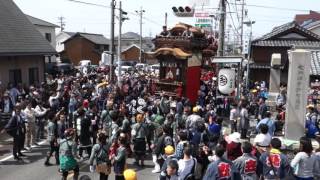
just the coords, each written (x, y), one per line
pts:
(33, 75)
(48, 36)
(15, 76)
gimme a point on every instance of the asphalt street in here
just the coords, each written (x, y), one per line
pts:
(32, 168)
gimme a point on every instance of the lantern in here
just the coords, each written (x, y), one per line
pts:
(226, 81)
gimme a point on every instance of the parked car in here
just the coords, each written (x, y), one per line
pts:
(85, 63)
(62, 68)
(141, 66)
(124, 69)
(155, 68)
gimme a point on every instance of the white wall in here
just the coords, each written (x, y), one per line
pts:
(45, 29)
(61, 37)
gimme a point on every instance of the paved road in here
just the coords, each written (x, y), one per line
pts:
(32, 168)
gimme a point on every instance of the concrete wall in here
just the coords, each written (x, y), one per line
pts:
(23, 63)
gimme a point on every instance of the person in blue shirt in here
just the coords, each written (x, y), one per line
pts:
(269, 122)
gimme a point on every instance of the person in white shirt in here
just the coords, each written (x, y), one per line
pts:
(262, 141)
(234, 116)
(30, 117)
(54, 100)
(40, 111)
(187, 165)
(303, 163)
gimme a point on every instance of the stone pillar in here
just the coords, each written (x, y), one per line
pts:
(298, 83)
(275, 72)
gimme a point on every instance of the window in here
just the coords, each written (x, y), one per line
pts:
(48, 36)
(15, 76)
(106, 47)
(33, 75)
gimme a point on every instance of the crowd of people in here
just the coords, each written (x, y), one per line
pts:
(88, 117)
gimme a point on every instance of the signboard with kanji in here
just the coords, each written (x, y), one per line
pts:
(298, 84)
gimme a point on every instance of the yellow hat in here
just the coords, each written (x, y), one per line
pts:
(130, 174)
(169, 150)
(195, 109)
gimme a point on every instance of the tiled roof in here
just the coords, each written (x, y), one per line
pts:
(315, 63)
(96, 38)
(285, 27)
(287, 43)
(40, 22)
(18, 35)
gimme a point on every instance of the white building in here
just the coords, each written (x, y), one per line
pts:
(62, 37)
(48, 31)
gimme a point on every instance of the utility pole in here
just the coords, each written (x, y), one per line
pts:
(62, 23)
(222, 27)
(140, 12)
(242, 17)
(113, 3)
(119, 44)
(166, 19)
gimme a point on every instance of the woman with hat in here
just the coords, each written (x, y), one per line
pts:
(100, 155)
(233, 146)
(67, 154)
(139, 133)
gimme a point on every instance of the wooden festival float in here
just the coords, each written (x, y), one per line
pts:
(182, 60)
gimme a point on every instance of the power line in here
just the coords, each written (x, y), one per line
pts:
(236, 9)
(274, 7)
(234, 26)
(101, 5)
(92, 4)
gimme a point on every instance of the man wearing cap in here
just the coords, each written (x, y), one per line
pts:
(165, 32)
(170, 156)
(193, 118)
(16, 129)
(6, 106)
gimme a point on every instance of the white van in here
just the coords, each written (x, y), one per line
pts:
(155, 68)
(141, 66)
(85, 62)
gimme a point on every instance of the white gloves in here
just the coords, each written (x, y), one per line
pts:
(91, 169)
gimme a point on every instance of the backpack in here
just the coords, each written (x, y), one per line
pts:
(191, 176)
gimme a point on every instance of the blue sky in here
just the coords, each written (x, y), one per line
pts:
(94, 19)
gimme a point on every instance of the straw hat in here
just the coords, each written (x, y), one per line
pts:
(130, 174)
(169, 150)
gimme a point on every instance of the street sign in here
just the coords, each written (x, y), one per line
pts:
(203, 25)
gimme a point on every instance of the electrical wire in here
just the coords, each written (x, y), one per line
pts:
(235, 7)
(275, 8)
(101, 5)
(232, 20)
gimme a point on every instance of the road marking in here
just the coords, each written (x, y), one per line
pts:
(11, 156)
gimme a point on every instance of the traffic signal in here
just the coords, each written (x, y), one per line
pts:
(183, 11)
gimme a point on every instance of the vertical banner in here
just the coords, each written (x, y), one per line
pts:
(298, 84)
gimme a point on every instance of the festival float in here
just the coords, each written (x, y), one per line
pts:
(183, 61)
